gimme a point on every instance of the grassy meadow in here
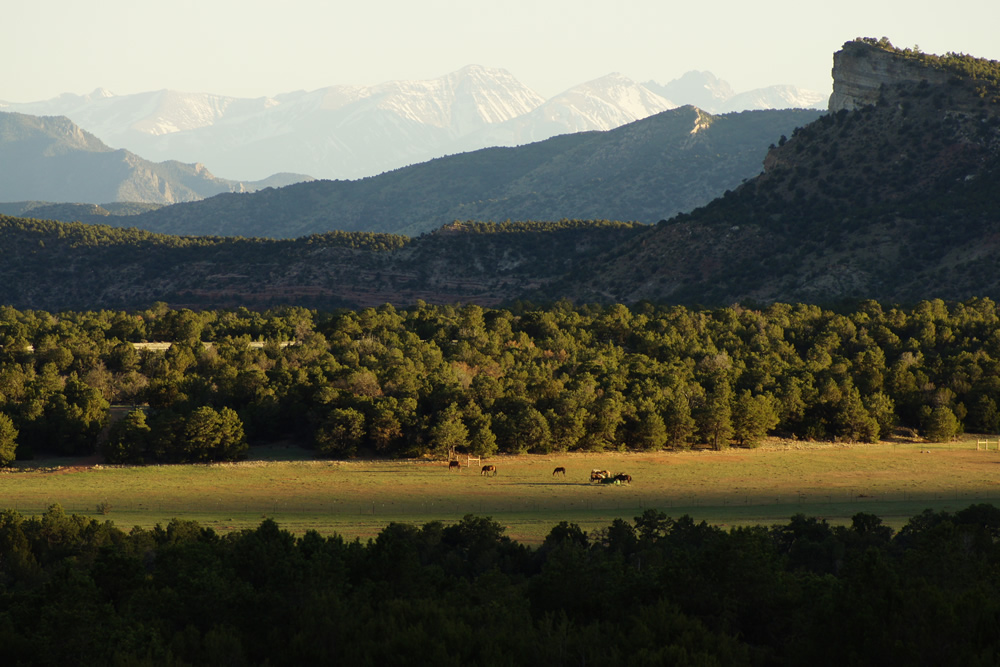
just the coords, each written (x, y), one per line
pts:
(358, 498)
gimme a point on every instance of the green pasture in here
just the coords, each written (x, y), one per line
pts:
(358, 498)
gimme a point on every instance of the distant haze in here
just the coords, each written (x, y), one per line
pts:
(355, 131)
(253, 48)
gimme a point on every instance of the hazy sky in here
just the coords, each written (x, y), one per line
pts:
(252, 48)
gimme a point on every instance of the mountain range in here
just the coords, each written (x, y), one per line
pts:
(53, 159)
(893, 195)
(644, 171)
(351, 132)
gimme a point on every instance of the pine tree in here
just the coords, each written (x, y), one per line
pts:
(8, 440)
(753, 417)
(942, 424)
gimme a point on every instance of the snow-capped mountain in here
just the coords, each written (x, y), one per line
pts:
(602, 104)
(156, 113)
(705, 91)
(776, 97)
(701, 89)
(349, 132)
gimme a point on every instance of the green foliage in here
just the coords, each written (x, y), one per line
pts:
(716, 417)
(648, 431)
(211, 435)
(941, 425)
(448, 433)
(432, 379)
(753, 417)
(128, 439)
(520, 427)
(852, 420)
(482, 440)
(341, 433)
(8, 440)
(960, 64)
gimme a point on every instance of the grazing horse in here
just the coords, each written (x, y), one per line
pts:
(624, 478)
(489, 470)
(597, 475)
(454, 465)
(558, 470)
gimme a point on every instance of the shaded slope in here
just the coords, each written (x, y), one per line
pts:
(897, 201)
(644, 171)
(55, 266)
(51, 159)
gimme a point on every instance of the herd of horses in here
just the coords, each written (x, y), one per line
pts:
(488, 470)
(602, 476)
(605, 477)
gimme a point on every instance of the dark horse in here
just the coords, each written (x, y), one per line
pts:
(454, 465)
(559, 470)
(489, 470)
(624, 478)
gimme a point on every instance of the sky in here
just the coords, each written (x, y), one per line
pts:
(256, 48)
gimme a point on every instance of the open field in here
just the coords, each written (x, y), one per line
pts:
(358, 498)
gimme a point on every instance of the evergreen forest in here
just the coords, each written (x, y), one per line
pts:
(432, 380)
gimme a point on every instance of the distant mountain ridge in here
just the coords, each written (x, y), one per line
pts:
(350, 132)
(705, 91)
(644, 171)
(52, 159)
(599, 105)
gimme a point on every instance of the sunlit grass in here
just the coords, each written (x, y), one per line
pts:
(358, 498)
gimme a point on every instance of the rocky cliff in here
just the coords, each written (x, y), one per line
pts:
(862, 67)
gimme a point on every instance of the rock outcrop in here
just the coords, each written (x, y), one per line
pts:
(861, 68)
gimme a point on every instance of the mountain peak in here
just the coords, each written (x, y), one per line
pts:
(479, 70)
(608, 102)
(700, 88)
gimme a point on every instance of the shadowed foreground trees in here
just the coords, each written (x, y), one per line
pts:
(656, 590)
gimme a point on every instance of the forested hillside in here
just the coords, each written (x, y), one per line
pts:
(56, 266)
(427, 380)
(645, 171)
(896, 200)
(93, 213)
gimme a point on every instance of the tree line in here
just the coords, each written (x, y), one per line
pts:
(984, 72)
(429, 380)
(651, 591)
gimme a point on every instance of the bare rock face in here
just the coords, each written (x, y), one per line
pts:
(861, 68)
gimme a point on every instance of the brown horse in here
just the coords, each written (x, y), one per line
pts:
(559, 470)
(489, 470)
(454, 465)
(624, 478)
